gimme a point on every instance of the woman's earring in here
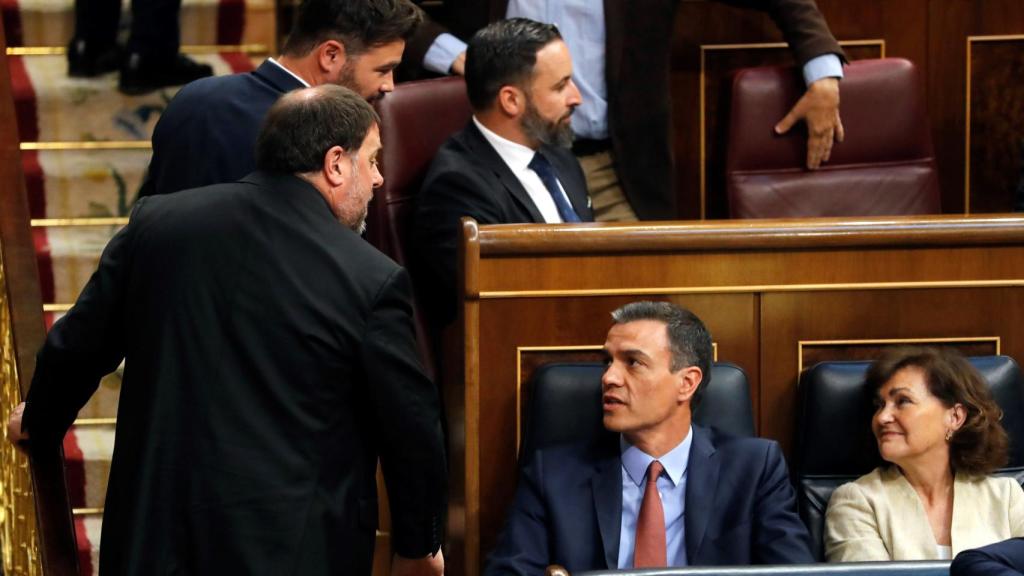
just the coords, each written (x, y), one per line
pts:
(949, 434)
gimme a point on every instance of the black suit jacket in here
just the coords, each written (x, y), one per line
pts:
(740, 508)
(269, 359)
(468, 178)
(207, 135)
(637, 65)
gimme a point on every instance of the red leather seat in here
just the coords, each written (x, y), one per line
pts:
(416, 119)
(885, 166)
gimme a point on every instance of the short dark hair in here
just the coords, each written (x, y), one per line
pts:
(980, 445)
(504, 53)
(688, 337)
(357, 24)
(304, 124)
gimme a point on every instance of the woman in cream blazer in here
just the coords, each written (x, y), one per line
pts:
(936, 423)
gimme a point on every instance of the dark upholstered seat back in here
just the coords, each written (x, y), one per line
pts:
(885, 166)
(565, 404)
(416, 119)
(834, 440)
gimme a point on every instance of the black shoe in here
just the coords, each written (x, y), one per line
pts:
(140, 77)
(87, 61)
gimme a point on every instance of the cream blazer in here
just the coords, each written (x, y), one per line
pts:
(880, 517)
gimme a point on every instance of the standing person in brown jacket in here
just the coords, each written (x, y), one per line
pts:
(622, 62)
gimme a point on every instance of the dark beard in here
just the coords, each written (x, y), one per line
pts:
(535, 127)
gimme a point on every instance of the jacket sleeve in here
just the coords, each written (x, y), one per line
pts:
(801, 24)
(780, 537)
(522, 547)
(851, 530)
(1004, 558)
(408, 416)
(83, 346)
(446, 197)
(1015, 508)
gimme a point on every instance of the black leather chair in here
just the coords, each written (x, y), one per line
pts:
(834, 440)
(565, 404)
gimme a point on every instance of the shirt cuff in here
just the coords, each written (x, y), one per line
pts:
(824, 66)
(445, 49)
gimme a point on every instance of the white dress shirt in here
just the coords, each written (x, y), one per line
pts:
(517, 157)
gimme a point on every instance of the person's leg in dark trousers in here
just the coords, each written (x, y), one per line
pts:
(93, 49)
(155, 34)
(152, 59)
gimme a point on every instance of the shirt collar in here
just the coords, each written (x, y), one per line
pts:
(292, 74)
(636, 461)
(516, 155)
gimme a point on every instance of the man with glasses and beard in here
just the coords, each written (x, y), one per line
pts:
(512, 163)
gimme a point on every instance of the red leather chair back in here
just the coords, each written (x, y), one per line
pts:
(885, 166)
(416, 119)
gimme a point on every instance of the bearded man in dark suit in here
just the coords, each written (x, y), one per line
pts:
(269, 361)
(622, 51)
(207, 134)
(511, 163)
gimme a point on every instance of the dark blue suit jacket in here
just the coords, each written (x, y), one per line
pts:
(740, 508)
(208, 133)
(1004, 558)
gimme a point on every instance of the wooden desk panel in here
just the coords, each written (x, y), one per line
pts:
(771, 292)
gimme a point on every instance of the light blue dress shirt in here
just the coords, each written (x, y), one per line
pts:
(581, 23)
(672, 488)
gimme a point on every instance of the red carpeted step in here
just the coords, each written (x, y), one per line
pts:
(87, 535)
(83, 183)
(67, 257)
(204, 22)
(87, 452)
(52, 107)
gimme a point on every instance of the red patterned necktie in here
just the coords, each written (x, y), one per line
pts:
(650, 524)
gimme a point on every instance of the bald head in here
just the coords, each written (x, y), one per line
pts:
(304, 124)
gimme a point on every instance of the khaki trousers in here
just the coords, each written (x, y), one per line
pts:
(606, 197)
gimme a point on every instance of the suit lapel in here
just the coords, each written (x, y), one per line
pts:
(493, 161)
(568, 171)
(701, 485)
(607, 490)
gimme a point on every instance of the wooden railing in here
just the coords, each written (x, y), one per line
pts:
(35, 520)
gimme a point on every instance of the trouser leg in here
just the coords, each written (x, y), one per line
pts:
(155, 34)
(96, 22)
(606, 196)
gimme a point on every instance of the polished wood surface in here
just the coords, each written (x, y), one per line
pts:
(56, 537)
(776, 295)
(976, 121)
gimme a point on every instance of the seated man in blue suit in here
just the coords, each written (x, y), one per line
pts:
(720, 500)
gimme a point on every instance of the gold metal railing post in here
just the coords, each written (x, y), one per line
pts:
(17, 510)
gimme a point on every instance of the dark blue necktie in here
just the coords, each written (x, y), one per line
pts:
(543, 168)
